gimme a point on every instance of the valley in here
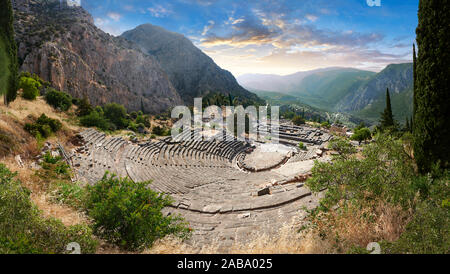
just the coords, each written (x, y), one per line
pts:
(354, 93)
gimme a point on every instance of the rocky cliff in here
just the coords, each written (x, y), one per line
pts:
(192, 72)
(397, 77)
(63, 46)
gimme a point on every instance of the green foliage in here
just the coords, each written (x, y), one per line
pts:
(8, 53)
(342, 146)
(129, 214)
(58, 99)
(361, 134)
(431, 123)
(427, 233)
(84, 107)
(325, 124)
(387, 118)
(117, 115)
(111, 117)
(24, 230)
(43, 127)
(288, 115)
(71, 194)
(386, 173)
(301, 146)
(160, 131)
(95, 119)
(298, 120)
(30, 87)
(56, 164)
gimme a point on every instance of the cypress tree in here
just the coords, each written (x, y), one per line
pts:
(411, 123)
(7, 36)
(142, 106)
(387, 119)
(431, 120)
(414, 83)
(407, 126)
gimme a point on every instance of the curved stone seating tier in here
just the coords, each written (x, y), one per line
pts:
(300, 134)
(202, 176)
(304, 155)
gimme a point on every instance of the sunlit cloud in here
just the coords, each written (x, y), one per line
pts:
(278, 37)
(159, 11)
(114, 16)
(311, 17)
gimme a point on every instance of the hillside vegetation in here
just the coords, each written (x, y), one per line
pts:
(43, 209)
(353, 93)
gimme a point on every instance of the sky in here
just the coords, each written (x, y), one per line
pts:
(278, 36)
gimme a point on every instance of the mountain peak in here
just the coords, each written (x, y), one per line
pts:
(192, 72)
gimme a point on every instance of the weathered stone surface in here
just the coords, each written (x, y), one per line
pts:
(209, 189)
(265, 191)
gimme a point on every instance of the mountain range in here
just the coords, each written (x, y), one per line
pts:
(356, 92)
(193, 73)
(63, 46)
(152, 69)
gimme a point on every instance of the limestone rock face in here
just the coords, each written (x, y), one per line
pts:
(63, 46)
(192, 72)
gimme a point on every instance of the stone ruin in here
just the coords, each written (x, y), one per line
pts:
(216, 185)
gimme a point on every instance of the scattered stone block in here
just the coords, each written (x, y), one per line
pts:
(264, 191)
(19, 161)
(212, 209)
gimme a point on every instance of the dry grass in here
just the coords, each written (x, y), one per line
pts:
(286, 241)
(358, 226)
(20, 109)
(41, 198)
(12, 120)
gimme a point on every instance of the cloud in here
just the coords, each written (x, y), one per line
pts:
(275, 41)
(208, 27)
(114, 16)
(311, 17)
(281, 34)
(108, 26)
(159, 11)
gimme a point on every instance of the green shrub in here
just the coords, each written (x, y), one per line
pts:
(30, 87)
(24, 230)
(160, 131)
(49, 159)
(53, 168)
(325, 124)
(129, 214)
(95, 119)
(301, 146)
(58, 99)
(385, 171)
(298, 120)
(427, 233)
(71, 194)
(361, 134)
(43, 127)
(116, 114)
(84, 107)
(342, 146)
(143, 119)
